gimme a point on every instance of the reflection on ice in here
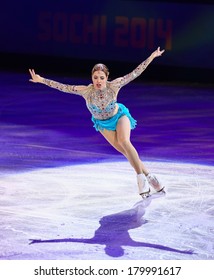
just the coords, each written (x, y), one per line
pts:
(67, 214)
(113, 232)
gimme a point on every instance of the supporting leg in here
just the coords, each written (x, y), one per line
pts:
(120, 140)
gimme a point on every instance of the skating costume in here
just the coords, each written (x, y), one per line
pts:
(103, 103)
(106, 112)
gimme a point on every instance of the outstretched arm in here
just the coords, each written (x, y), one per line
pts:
(137, 71)
(35, 78)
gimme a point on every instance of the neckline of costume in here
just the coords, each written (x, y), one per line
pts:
(100, 91)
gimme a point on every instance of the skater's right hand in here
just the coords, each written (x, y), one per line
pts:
(35, 78)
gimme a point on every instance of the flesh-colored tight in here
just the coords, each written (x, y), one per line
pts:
(120, 140)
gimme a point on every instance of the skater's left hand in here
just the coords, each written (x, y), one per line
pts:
(158, 52)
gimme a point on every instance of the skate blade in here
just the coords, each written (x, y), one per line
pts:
(158, 194)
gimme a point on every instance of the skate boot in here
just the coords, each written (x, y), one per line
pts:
(153, 181)
(143, 186)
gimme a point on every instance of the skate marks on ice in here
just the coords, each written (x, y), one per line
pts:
(67, 214)
(113, 232)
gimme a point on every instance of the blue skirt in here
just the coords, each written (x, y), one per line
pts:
(111, 124)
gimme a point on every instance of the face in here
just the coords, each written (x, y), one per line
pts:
(99, 80)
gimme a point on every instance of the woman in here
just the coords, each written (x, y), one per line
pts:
(110, 118)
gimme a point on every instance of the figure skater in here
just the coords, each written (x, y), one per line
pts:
(112, 119)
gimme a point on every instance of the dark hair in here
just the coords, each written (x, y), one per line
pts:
(100, 67)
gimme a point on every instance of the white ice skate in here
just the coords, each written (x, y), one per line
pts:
(143, 186)
(155, 183)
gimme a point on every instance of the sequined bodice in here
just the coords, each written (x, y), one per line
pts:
(101, 103)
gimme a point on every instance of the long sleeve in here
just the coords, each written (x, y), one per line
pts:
(120, 82)
(64, 87)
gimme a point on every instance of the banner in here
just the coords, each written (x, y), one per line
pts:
(111, 30)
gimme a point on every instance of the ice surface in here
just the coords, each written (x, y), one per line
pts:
(66, 194)
(93, 211)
